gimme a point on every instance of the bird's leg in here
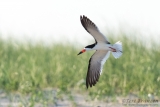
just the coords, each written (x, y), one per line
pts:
(112, 49)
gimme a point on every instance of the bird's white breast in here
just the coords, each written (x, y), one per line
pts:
(102, 46)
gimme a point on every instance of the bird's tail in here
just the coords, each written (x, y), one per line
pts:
(118, 47)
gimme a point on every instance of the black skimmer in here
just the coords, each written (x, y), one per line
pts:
(103, 49)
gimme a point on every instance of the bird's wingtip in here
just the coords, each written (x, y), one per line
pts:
(86, 86)
(82, 16)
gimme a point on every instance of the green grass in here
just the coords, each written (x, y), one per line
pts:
(26, 68)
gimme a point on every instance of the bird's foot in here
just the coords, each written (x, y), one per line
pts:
(112, 49)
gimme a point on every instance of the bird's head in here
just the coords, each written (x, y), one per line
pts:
(87, 48)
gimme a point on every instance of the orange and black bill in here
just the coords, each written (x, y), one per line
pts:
(82, 51)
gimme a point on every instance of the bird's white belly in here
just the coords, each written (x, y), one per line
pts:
(102, 47)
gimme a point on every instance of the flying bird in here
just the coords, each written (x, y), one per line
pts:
(103, 48)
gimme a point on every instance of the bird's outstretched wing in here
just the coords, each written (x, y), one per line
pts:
(95, 66)
(93, 29)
